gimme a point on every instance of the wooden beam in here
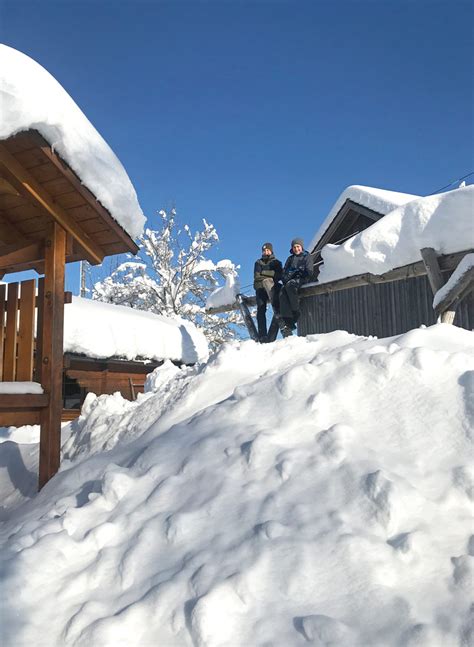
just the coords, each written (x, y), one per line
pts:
(21, 408)
(458, 291)
(34, 192)
(12, 256)
(23, 400)
(52, 352)
(430, 261)
(89, 197)
(436, 279)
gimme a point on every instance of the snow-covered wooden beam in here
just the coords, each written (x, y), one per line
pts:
(456, 288)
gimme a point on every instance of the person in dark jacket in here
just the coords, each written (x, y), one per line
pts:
(266, 281)
(298, 270)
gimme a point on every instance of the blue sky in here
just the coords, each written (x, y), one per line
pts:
(256, 115)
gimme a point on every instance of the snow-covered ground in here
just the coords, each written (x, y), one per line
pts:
(312, 491)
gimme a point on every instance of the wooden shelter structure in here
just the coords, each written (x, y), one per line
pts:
(47, 218)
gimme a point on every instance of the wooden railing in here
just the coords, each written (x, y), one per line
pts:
(21, 317)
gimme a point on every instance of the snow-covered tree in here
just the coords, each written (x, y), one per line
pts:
(173, 277)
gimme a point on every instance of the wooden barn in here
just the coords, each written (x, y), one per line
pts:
(383, 305)
(53, 164)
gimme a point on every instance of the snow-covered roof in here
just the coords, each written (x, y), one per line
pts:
(31, 99)
(444, 222)
(379, 200)
(105, 330)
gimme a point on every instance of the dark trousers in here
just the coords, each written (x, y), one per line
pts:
(289, 301)
(264, 295)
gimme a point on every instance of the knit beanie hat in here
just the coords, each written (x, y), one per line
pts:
(267, 246)
(297, 241)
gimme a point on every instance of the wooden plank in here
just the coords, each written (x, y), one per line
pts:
(3, 307)
(9, 233)
(57, 186)
(9, 353)
(30, 158)
(30, 188)
(12, 255)
(23, 400)
(19, 142)
(22, 212)
(44, 172)
(24, 371)
(105, 237)
(18, 418)
(94, 225)
(430, 261)
(38, 367)
(52, 352)
(70, 414)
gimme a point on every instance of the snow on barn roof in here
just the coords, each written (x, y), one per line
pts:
(379, 200)
(31, 99)
(444, 222)
(104, 330)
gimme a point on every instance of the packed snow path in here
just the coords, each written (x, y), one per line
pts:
(313, 491)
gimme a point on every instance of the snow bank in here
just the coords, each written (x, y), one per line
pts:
(105, 330)
(32, 99)
(443, 221)
(379, 200)
(316, 490)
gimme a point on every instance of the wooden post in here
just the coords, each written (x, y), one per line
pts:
(436, 280)
(52, 352)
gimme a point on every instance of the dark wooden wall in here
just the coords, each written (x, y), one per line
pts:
(383, 309)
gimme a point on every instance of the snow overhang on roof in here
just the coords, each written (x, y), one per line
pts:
(31, 99)
(378, 201)
(105, 330)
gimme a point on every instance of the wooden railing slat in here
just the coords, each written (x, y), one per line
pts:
(26, 334)
(2, 326)
(9, 355)
(39, 333)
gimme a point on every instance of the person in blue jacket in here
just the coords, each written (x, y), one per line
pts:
(298, 270)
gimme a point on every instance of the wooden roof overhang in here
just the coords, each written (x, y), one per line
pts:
(349, 220)
(47, 218)
(37, 189)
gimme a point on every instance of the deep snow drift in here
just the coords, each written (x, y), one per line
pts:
(312, 491)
